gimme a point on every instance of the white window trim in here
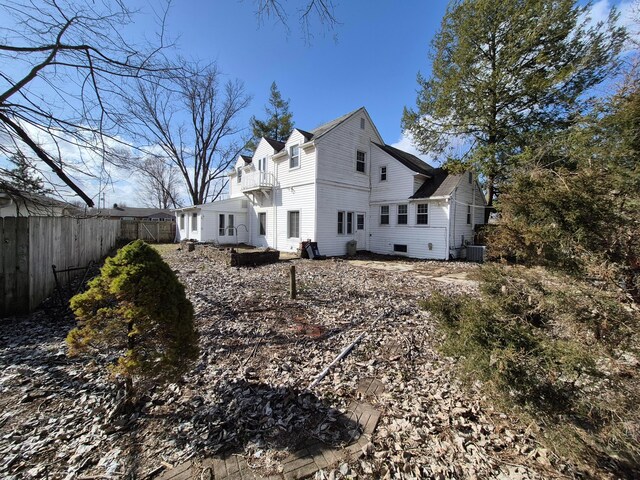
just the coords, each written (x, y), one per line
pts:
(405, 214)
(355, 166)
(291, 158)
(388, 214)
(341, 224)
(428, 215)
(289, 212)
(260, 225)
(386, 173)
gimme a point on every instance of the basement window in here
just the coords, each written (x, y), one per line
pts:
(399, 248)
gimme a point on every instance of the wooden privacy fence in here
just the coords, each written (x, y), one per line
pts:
(29, 246)
(148, 230)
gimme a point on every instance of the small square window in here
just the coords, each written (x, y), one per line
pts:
(361, 162)
(383, 174)
(384, 214)
(399, 248)
(403, 211)
(294, 157)
(262, 221)
(422, 217)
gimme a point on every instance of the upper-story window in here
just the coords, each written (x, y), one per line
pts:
(294, 156)
(470, 177)
(468, 214)
(239, 174)
(361, 162)
(262, 164)
(362, 123)
(383, 174)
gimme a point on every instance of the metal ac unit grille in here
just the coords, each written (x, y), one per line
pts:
(475, 253)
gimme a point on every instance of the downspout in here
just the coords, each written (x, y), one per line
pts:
(274, 194)
(453, 228)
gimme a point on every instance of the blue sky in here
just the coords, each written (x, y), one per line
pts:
(369, 59)
(378, 48)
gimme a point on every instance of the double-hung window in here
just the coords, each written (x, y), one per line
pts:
(383, 174)
(194, 222)
(294, 156)
(468, 214)
(231, 227)
(384, 214)
(422, 214)
(361, 162)
(403, 214)
(262, 164)
(340, 223)
(221, 225)
(239, 175)
(349, 223)
(262, 221)
(293, 230)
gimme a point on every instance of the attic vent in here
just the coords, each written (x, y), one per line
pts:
(362, 123)
(399, 248)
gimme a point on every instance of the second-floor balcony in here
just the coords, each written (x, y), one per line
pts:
(257, 181)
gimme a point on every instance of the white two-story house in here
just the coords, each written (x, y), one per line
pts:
(337, 183)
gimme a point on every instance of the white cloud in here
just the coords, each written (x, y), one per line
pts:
(629, 15)
(406, 144)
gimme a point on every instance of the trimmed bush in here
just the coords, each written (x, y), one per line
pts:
(136, 310)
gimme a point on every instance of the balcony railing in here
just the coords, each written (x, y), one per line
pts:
(257, 181)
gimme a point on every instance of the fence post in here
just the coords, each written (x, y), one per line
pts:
(292, 282)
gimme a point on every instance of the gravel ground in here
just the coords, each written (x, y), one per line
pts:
(248, 392)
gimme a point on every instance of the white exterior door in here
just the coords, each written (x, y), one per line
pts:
(361, 231)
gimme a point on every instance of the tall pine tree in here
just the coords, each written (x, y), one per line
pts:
(278, 124)
(503, 72)
(22, 176)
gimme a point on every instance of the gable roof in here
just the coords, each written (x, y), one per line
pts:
(246, 158)
(410, 161)
(277, 146)
(307, 135)
(441, 184)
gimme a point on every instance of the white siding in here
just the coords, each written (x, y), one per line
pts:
(298, 198)
(416, 237)
(462, 200)
(302, 175)
(400, 179)
(331, 200)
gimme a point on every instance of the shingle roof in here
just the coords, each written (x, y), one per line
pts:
(246, 158)
(408, 160)
(307, 135)
(277, 146)
(322, 129)
(441, 184)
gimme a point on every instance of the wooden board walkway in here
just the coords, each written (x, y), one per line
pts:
(302, 463)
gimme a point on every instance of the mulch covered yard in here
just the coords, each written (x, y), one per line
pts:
(248, 393)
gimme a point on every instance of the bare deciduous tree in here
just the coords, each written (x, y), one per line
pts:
(192, 118)
(307, 11)
(158, 182)
(64, 67)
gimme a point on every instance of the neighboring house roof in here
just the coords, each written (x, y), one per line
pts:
(37, 202)
(137, 212)
(277, 146)
(441, 184)
(410, 161)
(246, 158)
